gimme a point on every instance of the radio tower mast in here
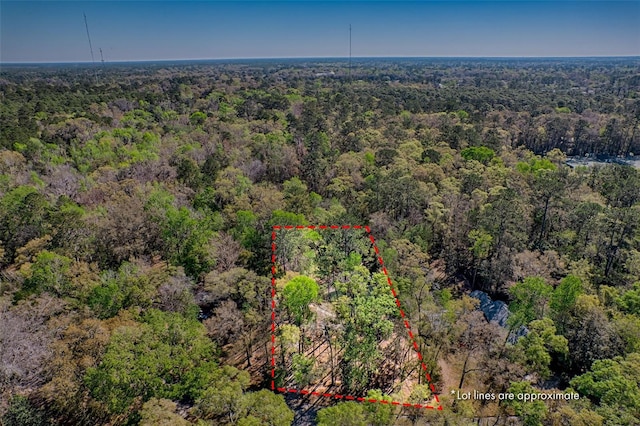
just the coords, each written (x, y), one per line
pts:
(86, 25)
(101, 57)
(93, 61)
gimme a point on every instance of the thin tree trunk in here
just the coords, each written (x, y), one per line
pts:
(330, 357)
(464, 370)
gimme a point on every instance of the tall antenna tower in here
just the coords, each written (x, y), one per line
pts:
(101, 57)
(86, 25)
(349, 52)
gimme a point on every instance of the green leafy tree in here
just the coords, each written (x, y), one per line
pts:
(614, 383)
(49, 272)
(540, 345)
(137, 285)
(280, 217)
(354, 414)
(297, 294)
(197, 118)
(630, 300)
(530, 298)
(565, 295)
(222, 399)
(379, 414)
(265, 408)
(532, 413)
(614, 415)
(186, 237)
(303, 370)
(289, 338)
(481, 242)
(165, 356)
(360, 358)
(297, 197)
(564, 298)
(344, 413)
(536, 166)
(628, 328)
(23, 213)
(185, 234)
(22, 413)
(481, 154)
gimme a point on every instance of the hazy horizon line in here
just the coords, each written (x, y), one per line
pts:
(315, 57)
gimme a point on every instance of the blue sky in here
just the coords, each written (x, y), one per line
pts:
(53, 31)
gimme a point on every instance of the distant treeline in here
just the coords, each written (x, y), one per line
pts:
(580, 106)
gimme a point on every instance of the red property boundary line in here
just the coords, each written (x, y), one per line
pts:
(395, 296)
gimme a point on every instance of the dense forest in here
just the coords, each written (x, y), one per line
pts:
(141, 277)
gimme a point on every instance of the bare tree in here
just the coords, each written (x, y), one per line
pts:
(175, 295)
(225, 323)
(226, 251)
(475, 342)
(24, 341)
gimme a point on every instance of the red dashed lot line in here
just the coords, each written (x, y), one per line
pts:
(395, 296)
